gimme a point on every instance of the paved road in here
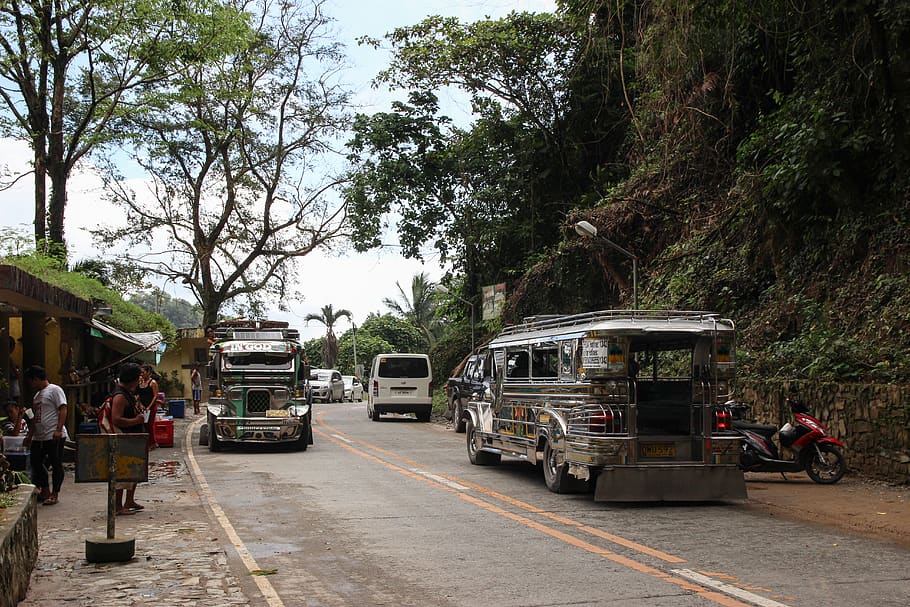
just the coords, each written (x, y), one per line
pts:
(392, 513)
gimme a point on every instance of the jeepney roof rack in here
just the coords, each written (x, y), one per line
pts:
(253, 333)
(558, 321)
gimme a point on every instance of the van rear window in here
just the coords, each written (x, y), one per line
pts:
(403, 367)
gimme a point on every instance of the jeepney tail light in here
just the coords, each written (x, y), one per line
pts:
(599, 422)
(723, 421)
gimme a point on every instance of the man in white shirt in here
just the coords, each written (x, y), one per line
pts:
(46, 433)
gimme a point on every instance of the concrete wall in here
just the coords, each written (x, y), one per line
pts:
(18, 545)
(872, 420)
(180, 358)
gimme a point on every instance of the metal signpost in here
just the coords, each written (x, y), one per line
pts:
(111, 458)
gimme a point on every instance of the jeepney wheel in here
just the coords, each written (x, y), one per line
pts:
(214, 443)
(304, 441)
(478, 457)
(457, 420)
(557, 476)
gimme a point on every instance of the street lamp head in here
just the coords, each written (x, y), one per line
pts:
(583, 228)
(441, 289)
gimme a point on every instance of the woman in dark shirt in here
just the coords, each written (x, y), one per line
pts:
(127, 419)
(147, 392)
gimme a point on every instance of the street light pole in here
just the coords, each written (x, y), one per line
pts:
(354, 331)
(583, 228)
(441, 288)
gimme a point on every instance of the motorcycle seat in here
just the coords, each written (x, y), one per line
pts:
(763, 429)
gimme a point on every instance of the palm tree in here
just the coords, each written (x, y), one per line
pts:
(419, 308)
(330, 344)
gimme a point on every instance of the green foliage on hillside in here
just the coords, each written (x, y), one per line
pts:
(753, 156)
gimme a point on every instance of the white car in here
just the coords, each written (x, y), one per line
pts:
(353, 389)
(326, 385)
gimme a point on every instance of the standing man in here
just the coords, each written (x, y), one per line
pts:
(196, 383)
(45, 435)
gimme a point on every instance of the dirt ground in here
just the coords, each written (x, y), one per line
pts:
(854, 504)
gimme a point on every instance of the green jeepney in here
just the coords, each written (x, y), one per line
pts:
(259, 388)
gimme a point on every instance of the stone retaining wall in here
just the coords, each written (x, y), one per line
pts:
(872, 420)
(18, 544)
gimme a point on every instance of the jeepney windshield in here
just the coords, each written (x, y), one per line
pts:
(271, 361)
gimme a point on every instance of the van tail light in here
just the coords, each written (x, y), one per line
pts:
(430, 389)
(601, 423)
(723, 421)
(375, 387)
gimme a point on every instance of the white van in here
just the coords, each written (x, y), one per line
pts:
(400, 383)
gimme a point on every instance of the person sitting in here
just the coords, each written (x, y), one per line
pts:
(15, 423)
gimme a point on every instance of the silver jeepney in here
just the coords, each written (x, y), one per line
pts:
(632, 401)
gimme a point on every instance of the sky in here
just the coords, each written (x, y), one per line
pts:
(343, 278)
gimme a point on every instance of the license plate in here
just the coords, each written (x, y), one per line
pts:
(401, 392)
(658, 450)
(277, 413)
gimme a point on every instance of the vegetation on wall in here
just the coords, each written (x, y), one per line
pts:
(125, 316)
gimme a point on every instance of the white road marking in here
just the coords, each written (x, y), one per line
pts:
(265, 587)
(730, 589)
(439, 479)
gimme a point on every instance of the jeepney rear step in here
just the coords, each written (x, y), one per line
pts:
(670, 483)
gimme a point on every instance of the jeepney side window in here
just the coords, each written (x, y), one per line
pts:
(517, 366)
(545, 361)
(567, 360)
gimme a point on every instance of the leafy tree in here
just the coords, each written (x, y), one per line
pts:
(419, 308)
(399, 333)
(329, 317)
(313, 350)
(68, 69)
(549, 119)
(229, 151)
(368, 346)
(120, 276)
(180, 312)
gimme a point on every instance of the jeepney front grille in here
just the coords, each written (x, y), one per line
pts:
(595, 420)
(258, 401)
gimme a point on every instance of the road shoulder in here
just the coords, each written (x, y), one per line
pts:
(855, 504)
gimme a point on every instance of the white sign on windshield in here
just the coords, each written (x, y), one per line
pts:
(602, 354)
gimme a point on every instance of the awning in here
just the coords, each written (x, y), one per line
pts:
(147, 347)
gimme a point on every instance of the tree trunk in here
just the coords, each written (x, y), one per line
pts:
(57, 164)
(40, 166)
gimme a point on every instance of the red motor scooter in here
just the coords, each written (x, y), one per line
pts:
(812, 449)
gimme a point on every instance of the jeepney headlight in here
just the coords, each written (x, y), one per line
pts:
(298, 410)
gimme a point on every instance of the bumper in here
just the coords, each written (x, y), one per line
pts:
(260, 429)
(403, 407)
(670, 483)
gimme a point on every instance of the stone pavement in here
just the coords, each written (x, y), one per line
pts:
(180, 559)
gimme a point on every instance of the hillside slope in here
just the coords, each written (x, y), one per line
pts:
(768, 180)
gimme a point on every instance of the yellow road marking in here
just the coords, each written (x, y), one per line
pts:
(346, 442)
